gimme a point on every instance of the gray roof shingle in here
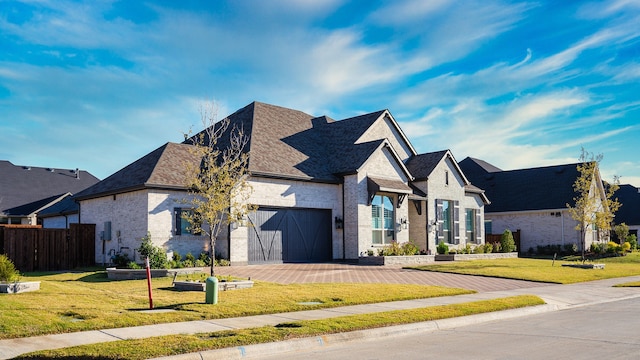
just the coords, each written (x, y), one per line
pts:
(541, 188)
(629, 212)
(422, 165)
(162, 168)
(22, 185)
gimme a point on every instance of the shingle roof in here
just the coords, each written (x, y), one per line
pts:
(282, 143)
(629, 212)
(33, 207)
(66, 206)
(539, 188)
(422, 165)
(162, 168)
(21, 185)
(474, 168)
(290, 143)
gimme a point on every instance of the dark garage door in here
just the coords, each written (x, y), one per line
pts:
(289, 235)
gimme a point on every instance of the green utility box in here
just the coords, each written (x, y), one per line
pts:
(211, 290)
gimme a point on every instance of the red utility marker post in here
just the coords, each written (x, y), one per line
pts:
(149, 285)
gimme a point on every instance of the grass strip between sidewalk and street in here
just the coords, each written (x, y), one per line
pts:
(181, 344)
(541, 270)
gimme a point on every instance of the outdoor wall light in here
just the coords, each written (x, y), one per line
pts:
(405, 223)
(339, 222)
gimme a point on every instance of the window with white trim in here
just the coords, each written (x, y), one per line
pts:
(382, 220)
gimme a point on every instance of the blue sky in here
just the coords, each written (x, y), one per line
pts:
(98, 84)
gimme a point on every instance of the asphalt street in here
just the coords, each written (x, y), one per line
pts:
(602, 331)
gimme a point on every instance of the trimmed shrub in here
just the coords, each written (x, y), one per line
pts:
(120, 260)
(614, 248)
(633, 240)
(156, 255)
(507, 244)
(8, 272)
(206, 259)
(488, 248)
(442, 248)
(596, 248)
(409, 248)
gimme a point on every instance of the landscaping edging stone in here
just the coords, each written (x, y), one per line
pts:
(428, 259)
(222, 285)
(137, 274)
(19, 287)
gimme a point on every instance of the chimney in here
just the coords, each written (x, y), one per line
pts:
(77, 173)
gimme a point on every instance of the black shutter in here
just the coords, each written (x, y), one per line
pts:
(178, 216)
(456, 222)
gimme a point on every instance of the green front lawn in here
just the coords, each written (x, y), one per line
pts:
(181, 344)
(70, 302)
(542, 270)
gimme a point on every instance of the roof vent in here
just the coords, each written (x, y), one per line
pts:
(27, 167)
(77, 173)
(51, 170)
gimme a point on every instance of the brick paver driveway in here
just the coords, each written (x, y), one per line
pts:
(347, 273)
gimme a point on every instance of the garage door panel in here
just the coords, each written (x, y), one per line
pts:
(290, 235)
(265, 237)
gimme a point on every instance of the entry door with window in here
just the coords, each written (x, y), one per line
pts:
(383, 220)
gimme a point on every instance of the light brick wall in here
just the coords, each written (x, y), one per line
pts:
(384, 129)
(132, 215)
(538, 228)
(162, 205)
(59, 222)
(353, 197)
(128, 216)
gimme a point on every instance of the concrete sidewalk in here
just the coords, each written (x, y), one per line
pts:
(557, 297)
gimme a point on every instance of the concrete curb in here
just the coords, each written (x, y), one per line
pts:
(318, 342)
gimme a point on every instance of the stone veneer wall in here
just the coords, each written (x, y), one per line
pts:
(428, 259)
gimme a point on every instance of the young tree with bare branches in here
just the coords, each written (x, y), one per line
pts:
(594, 205)
(218, 184)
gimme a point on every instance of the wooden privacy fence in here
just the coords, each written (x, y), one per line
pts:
(495, 238)
(36, 249)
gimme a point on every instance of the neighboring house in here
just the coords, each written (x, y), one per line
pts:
(324, 189)
(60, 214)
(533, 201)
(26, 190)
(629, 212)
